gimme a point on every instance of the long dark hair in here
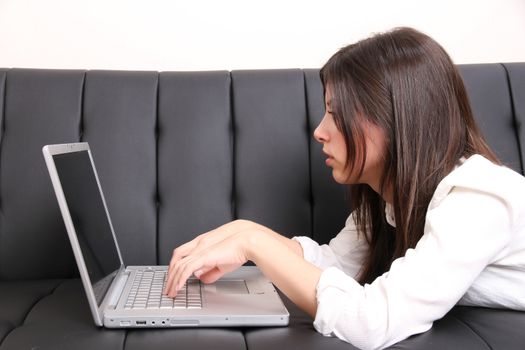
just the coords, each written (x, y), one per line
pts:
(405, 83)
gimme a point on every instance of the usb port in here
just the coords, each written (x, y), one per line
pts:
(141, 323)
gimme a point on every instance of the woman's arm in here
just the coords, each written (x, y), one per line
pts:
(211, 255)
(346, 251)
(291, 244)
(426, 283)
(293, 275)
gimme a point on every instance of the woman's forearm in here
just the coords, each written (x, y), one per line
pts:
(283, 264)
(293, 245)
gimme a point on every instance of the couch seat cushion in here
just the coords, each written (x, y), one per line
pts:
(62, 320)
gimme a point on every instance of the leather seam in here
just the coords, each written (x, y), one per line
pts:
(82, 98)
(233, 146)
(515, 122)
(2, 128)
(2, 137)
(243, 332)
(14, 326)
(125, 342)
(310, 165)
(157, 192)
(473, 331)
(41, 298)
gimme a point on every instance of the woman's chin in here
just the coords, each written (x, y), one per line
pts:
(338, 177)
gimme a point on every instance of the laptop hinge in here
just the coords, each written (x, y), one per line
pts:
(116, 291)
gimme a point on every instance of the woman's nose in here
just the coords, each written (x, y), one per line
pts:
(320, 134)
(317, 135)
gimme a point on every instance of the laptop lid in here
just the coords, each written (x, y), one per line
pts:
(84, 210)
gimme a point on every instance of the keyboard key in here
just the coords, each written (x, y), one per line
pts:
(146, 292)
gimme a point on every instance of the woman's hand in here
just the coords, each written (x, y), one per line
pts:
(210, 255)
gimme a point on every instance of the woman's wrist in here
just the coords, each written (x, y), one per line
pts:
(253, 239)
(253, 233)
(279, 262)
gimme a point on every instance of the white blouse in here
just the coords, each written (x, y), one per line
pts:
(472, 252)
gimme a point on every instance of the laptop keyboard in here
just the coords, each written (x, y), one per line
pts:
(146, 293)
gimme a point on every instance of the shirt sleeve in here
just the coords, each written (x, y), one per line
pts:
(421, 287)
(346, 251)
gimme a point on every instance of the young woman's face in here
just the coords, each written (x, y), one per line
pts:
(334, 146)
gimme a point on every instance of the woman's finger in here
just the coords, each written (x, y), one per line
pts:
(183, 273)
(176, 274)
(225, 255)
(178, 254)
(172, 273)
(201, 272)
(211, 275)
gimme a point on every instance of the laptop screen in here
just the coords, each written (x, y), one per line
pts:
(92, 227)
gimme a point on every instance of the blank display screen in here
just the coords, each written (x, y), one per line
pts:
(89, 217)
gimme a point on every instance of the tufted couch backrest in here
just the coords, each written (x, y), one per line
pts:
(179, 153)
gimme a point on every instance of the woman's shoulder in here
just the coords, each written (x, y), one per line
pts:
(480, 175)
(478, 171)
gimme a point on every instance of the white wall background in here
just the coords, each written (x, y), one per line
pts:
(237, 34)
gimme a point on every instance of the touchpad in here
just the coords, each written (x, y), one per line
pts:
(231, 287)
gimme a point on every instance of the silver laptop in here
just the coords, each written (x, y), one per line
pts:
(131, 296)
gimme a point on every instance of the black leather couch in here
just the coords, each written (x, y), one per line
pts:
(179, 153)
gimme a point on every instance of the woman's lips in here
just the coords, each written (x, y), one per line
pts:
(329, 159)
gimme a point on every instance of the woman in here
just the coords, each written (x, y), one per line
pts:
(437, 219)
